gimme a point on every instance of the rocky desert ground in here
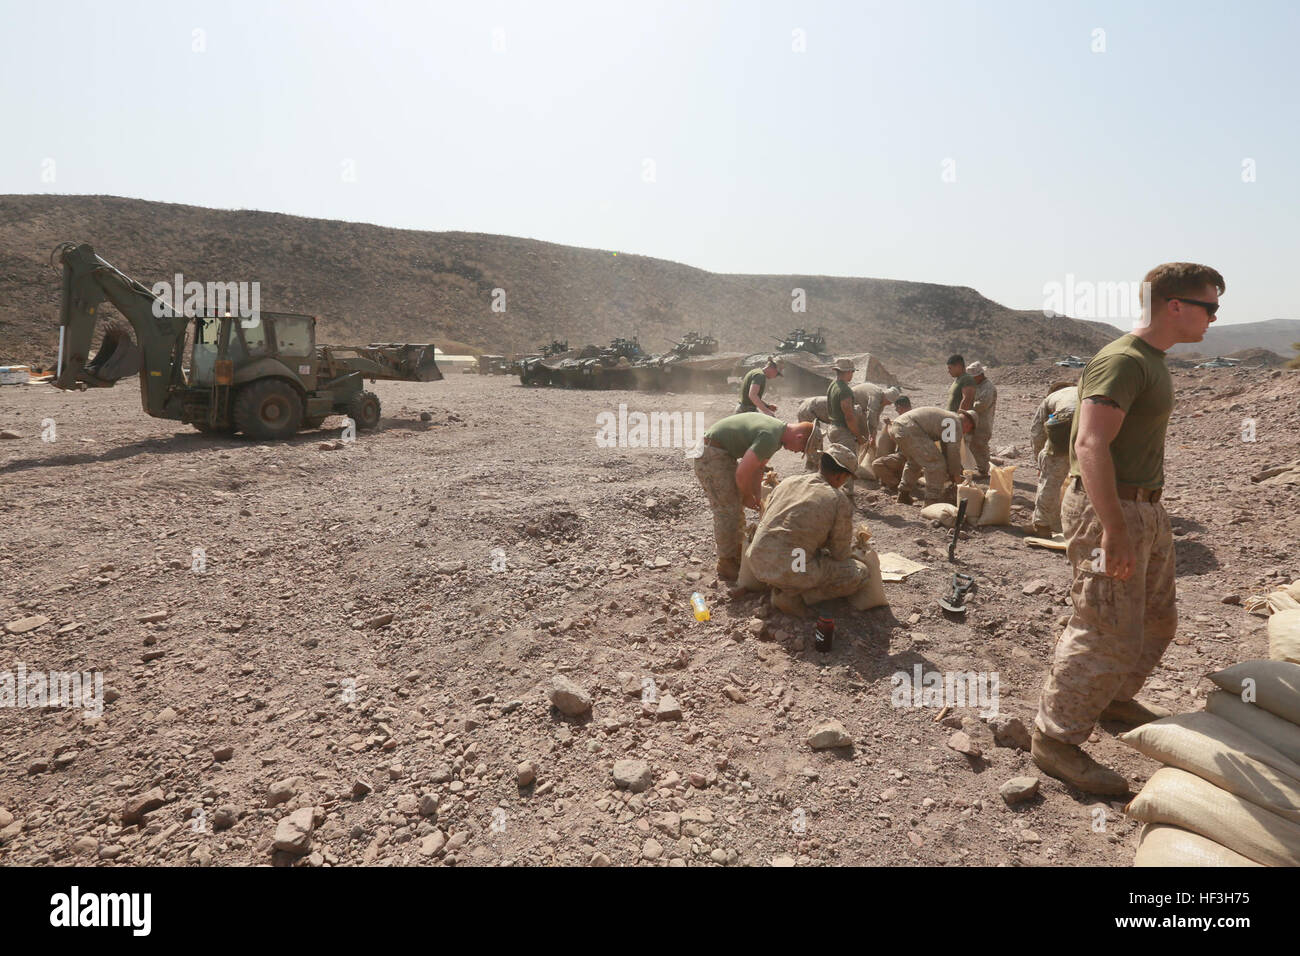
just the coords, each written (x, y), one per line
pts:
(349, 651)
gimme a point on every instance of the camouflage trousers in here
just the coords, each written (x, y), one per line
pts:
(716, 471)
(1119, 629)
(978, 443)
(923, 457)
(1052, 472)
(840, 435)
(819, 578)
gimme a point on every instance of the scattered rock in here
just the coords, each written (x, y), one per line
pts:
(138, 806)
(433, 844)
(828, 735)
(1019, 789)
(570, 699)
(652, 849)
(1010, 732)
(526, 773)
(669, 709)
(25, 624)
(223, 753)
(961, 742)
(428, 805)
(634, 775)
(225, 817)
(783, 860)
(282, 791)
(1036, 586)
(293, 832)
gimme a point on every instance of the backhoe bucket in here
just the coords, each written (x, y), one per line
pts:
(118, 357)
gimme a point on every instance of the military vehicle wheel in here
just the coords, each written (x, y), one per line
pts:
(269, 408)
(363, 408)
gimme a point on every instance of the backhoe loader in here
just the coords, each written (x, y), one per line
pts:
(261, 375)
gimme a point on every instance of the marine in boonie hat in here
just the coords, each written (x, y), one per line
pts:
(842, 456)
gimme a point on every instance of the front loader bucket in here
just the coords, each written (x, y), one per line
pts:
(426, 368)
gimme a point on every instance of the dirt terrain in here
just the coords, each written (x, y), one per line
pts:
(357, 643)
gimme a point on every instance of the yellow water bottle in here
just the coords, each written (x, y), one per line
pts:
(701, 609)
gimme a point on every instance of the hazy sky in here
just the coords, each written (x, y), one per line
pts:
(985, 144)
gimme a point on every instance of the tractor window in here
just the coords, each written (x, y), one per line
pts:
(253, 332)
(293, 334)
(205, 350)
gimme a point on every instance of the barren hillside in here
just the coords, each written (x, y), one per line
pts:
(372, 283)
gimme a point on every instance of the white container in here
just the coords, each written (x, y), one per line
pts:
(14, 374)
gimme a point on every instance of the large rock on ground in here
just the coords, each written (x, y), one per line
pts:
(829, 734)
(570, 699)
(293, 833)
(632, 775)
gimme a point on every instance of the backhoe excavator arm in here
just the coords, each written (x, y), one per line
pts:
(89, 281)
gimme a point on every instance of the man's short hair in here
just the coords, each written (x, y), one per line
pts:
(904, 401)
(956, 360)
(1173, 279)
(830, 467)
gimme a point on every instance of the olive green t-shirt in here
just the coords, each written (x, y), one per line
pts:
(752, 376)
(964, 380)
(739, 433)
(1132, 374)
(835, 396)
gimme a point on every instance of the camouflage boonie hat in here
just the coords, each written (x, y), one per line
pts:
(842, 457)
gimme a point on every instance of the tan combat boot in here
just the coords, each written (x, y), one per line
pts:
(1069, 763)
(904, 497)
(1134, 712)
(789, 602)
(728, 569)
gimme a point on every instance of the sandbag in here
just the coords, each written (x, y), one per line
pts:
(997, 503)
(1282, 735)
(1226, 756)
(1184, 800)
(973, 495)
(1162, 845)
(941, 512)
(1276, 685)
(871, 594)
(1284, 636)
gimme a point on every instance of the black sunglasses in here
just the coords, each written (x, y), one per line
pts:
(1210, 307)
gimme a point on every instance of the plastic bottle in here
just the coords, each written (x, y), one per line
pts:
(699, 607)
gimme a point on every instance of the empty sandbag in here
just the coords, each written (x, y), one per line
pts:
(973, 495)
(941, 512)
(1226, 756)
(1274, 685)
(1162, 845)
(1282, 735)
(1284, 636)
(1184, 800)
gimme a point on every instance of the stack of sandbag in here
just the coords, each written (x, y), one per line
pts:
(1229, 793)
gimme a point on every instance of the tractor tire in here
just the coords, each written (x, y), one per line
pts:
(363, 408)
(207, 429)
(269, 408)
